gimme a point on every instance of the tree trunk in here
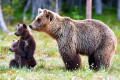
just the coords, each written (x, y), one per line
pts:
(7, 16)
(37, 4)
(51, 4)
(60, 5)
(118, 11)
(110, 3)
(98, 6)
(80, 6)
(25, 9)
(34, 6)
(88, 9)
(70, 3)
(2, 23)
(56, 4)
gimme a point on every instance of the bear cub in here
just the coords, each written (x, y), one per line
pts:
(14, 48)
(26, 46)
(18, 61)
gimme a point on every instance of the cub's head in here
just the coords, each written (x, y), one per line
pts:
(21, 29)
(14, 46)
(42, 20)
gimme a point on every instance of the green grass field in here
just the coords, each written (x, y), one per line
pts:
(49, 63)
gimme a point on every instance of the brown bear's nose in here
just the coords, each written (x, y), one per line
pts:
(30, 26)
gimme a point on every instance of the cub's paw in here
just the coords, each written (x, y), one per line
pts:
(22, 55)
(30, 55)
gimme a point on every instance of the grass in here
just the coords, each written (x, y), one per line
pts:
(49, 63)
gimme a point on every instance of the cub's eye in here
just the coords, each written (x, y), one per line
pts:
(38, 20)
(14, 46)
(18, 29)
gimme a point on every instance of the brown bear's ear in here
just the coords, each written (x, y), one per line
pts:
(45, 11)
(24, 25)
(50, 16)
(39, 10)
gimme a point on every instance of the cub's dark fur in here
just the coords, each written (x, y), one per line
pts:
(26, 45)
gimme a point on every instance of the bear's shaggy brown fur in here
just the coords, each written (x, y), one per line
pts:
(87, 37)
(26, 45)
(18, 61)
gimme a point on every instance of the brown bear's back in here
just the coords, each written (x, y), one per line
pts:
(92, 34)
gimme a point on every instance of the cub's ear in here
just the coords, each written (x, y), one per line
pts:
(49, 15)
(14, 40)
(18, 41)
(39, 10)
(18, 24)
(24, 25)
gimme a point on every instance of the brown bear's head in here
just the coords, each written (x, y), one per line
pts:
(21, 29)
(42, 20)
(14, 46)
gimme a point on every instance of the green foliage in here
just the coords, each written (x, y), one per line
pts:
(17, 2)
(13, 11)
(73, 13)
(18, 14)
(7, 10)
(108, 16)
(17, 10)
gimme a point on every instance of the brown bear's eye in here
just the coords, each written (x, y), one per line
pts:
(38, 20)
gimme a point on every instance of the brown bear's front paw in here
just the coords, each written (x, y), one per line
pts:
(71, 66)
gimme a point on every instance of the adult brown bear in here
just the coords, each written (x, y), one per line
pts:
(87, 37)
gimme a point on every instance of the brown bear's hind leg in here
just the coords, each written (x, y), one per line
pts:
(94, 61)
(97, 60)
